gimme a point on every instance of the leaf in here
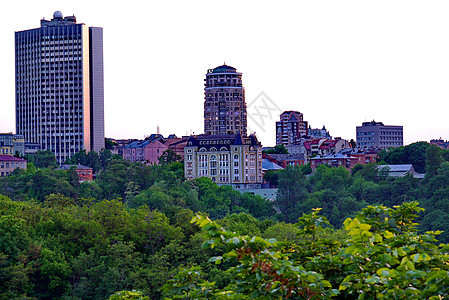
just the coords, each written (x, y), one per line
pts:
(388, 234)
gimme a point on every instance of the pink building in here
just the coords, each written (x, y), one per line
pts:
(334, 160)
(149, 151)
(9, 163)
(153, 151)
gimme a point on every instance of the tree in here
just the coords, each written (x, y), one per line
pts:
(292, 189)
(433, 160)
(168, 157)
(43, 159)
(278, 149)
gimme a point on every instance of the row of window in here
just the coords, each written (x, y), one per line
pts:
(8, 165)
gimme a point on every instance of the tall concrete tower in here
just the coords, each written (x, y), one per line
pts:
(59, 86)
(224, 105)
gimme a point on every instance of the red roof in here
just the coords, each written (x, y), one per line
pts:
(10, 158)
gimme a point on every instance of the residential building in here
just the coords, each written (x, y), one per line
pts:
(9, 163)
(11, 144)
(376, 134)
(229, 159)
(334, 160)
(224, 105)
(290, 128)
(59, 86)
(364, 155)
(324, 146)
(84, 173)
(440, 143)
(149, 150)
(317, 133)
(400, 170)
(284, 160)
(328, 146)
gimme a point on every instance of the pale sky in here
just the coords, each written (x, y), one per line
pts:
(340, 63)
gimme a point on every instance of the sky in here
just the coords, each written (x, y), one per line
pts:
(340, 63)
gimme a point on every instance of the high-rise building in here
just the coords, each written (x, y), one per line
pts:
(377, 135)
(224, 105)
(59, 86)
(290, 128)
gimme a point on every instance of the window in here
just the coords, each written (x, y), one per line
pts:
(213, 165)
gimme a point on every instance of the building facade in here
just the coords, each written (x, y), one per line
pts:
(10, 144)
(59, 86)
(84, 173)
(224, 105)
(290, 128)
(230, 159)
(440, 143)
(376, 134)
(9, 163)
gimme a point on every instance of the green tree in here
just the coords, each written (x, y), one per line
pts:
(433, 160)
(278, 149)
(43, 159)
(168, 157)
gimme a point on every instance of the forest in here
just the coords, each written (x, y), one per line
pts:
(145, 232)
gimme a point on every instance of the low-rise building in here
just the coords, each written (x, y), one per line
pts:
(364, 155)
(227, 159)
(334, 160)
(149, 150)
(317, 133)
(440, 143)
(9, 163)
(10, 144)
(400, 170)
(84, 173)
(284, 160)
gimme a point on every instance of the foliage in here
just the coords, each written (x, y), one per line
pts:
(383, 258)
(43, 159)
(168, 157)
(278, 149)
(414, 154)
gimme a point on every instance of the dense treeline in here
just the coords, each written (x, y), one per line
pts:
(130, 227)
(341, 194)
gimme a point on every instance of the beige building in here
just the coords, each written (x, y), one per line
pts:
(9, 163)
(230, 159)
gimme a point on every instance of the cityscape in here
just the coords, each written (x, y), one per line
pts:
(268, 198)
(60, 108)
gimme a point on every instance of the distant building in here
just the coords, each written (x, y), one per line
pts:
(290, 128)
(230, 159)
(317, 133)
(10, 144)
(400, 170)
(149, 150)
(224, 105)
(284, 160)
(324, 146)
(9, 163)
(59, 86)
(84, 173)
(332, 146)
(440, 143)
(376, 134)
(334, 160)
(363, 155)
